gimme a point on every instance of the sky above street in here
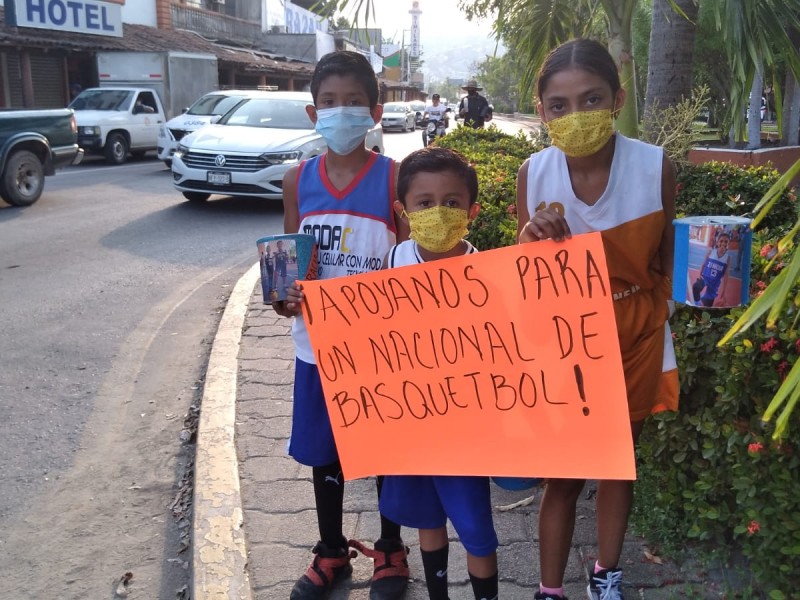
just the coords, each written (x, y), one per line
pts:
(440, 18)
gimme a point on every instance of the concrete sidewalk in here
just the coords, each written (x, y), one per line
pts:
(275, 507)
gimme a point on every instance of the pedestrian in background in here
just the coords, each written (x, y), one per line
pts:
(474, 108)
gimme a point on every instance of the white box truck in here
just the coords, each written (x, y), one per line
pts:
(139, 92)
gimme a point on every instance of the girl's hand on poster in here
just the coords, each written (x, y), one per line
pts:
(546, 224)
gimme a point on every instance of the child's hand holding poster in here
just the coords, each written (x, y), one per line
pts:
(503, 362)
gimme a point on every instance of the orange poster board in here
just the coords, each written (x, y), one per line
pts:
(503, 363)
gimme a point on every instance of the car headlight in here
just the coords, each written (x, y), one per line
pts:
(281, 158)
(94, 130)
(181, 151)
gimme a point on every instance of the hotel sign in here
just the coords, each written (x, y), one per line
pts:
(77, 16)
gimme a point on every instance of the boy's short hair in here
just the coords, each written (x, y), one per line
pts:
(345, 62)
(436, 160)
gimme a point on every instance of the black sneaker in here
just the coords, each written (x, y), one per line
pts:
(329, 566)
(543, 596)
(606, 585)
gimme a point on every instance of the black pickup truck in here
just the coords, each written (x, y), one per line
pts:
(33, 144)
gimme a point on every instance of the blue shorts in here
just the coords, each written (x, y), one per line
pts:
(426, 502)
(311, 442)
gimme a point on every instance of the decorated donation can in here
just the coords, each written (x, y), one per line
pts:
(712, 261)
(284, 259)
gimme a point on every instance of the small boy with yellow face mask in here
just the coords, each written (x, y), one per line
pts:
(438, 193)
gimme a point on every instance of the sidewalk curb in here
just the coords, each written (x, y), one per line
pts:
(219, 554)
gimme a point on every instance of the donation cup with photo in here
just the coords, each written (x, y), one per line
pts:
(284, 259)
(712, 261)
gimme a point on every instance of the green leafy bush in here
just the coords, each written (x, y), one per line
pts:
(710, 473)
(496, 157)
(719, 188)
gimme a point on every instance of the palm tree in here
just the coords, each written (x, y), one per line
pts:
(755, 34)
(672, 36)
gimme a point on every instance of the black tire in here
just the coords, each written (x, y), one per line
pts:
(196, 196)
(22, 181)
(116, 149)
(424, 139)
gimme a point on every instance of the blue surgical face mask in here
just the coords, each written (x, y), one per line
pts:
(344, 127)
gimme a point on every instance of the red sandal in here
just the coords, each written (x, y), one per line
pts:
(390, 575)
(329, 566)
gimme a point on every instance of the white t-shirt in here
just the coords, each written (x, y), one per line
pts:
(436, 112)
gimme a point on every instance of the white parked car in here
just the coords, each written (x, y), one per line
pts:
(247, 152)
(398, 115)
(206, 110)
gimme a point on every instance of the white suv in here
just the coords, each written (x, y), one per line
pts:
(208, 109)
(247, 152)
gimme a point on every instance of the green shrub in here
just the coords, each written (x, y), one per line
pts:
(496, 157)
(719, 188)
(710, 473)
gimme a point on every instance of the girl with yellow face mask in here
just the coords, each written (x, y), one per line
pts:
(593, 179)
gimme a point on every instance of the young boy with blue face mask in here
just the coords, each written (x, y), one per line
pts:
(344, 198)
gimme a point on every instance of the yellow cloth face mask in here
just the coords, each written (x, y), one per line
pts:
(581, 133)
(439, 228)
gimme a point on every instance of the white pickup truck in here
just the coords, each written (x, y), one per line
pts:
(115, 121)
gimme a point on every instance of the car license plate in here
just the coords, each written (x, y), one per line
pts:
(218, 178)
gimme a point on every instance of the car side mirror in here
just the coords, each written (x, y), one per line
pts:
(215, 118)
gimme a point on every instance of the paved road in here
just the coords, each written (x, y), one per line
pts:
(111, 287)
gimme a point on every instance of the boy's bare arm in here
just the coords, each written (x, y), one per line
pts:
(403, 230)
(291, 212)
(291, 224)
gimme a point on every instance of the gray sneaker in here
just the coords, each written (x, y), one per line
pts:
(606, 585)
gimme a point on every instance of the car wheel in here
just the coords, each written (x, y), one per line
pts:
(116, 149)
(196, 196)
(23, 179)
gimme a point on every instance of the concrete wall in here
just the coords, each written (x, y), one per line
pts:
(778, 158)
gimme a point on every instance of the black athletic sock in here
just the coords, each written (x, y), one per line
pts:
(484, 589)
(435, 565)
(389, 529)
(329, 496)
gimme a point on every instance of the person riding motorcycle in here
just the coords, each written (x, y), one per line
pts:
(435, 113)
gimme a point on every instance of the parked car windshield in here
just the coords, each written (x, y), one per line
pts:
(102, 100)
(213, 104)
(270, 113)
(394, 107)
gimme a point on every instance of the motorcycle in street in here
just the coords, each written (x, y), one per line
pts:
(437, 127)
